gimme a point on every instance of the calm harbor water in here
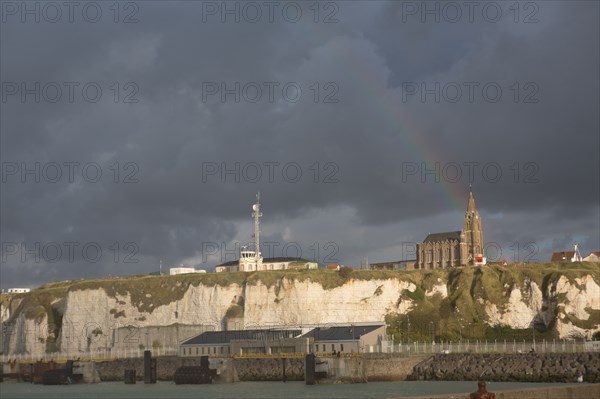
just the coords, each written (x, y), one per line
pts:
(253, 390)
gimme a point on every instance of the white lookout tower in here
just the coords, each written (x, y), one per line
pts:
(251, 260)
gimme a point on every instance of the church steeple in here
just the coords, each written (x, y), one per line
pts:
(471, 205)
(472, 230)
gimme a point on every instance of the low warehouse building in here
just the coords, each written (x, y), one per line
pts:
(241, 342)
(347, 339)
(344, 339)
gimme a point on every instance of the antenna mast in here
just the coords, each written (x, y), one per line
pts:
(578, 257)
(257, 214)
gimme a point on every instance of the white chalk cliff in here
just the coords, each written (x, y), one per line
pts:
(89, 319)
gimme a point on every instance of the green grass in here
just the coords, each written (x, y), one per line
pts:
(417, 295)
(518, 334)
(591, 322)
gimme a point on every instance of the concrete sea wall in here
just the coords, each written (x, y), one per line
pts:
(238, 369)
(165, 367)
(391, 367)
(269, 369)
(369, 367)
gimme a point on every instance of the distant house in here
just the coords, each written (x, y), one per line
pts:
(397, 265)
(563, 256)
(18, 290)
(567, 256)
(184, 270)
(593, 257)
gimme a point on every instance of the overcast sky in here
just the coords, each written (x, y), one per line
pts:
(358, 122)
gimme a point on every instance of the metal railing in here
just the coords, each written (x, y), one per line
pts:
(486, 346)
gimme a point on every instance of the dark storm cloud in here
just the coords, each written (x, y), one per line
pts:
(361, 144)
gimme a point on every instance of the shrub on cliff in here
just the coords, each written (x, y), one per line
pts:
(234, 311)
(345, 272)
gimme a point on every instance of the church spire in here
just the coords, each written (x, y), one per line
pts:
(471, 205)
(473, 234)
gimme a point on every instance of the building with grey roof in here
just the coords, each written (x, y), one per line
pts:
(347, 338)
(344, 339)
(239, 342)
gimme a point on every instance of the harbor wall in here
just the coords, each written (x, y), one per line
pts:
(269, 369)
(369, 367)
(376, 367)
(534, 367)
(391, 367)
(165, 367)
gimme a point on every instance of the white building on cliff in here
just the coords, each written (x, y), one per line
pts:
(252, 260)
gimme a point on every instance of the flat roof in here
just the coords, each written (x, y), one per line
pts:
(224, 337)
(341, 333)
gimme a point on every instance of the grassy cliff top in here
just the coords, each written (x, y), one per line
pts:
(489, 282)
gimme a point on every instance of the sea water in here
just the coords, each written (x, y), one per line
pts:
(253, 390)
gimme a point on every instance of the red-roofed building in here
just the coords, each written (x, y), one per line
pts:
(567, 256)
(564, 256)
